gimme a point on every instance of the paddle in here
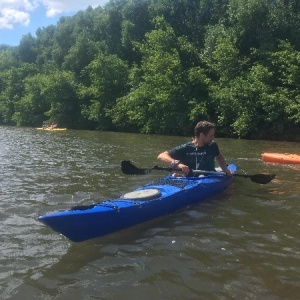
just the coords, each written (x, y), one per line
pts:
(129, 169)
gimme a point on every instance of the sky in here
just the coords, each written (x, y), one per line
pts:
(20, 17)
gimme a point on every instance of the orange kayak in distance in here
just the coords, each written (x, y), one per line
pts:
(283, 158)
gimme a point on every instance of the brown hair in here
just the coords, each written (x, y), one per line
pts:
(204, 127)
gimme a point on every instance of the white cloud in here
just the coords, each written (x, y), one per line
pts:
(14, 12)
(10, 16)
(55, 7)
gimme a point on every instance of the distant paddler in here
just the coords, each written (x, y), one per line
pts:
(52, 126)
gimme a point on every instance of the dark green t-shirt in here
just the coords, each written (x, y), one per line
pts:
(197, 158)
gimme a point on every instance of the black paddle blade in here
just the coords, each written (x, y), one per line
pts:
(262, 178)
(129, 169)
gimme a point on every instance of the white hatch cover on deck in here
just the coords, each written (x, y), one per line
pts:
(142, 194)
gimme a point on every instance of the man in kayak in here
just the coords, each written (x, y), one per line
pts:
(52, 126)
(199, 154)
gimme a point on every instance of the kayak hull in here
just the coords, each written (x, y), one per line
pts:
(52, 129)
(86, 222)
(283, 158)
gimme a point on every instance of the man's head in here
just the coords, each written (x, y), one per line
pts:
(204, 133)
(203, 127)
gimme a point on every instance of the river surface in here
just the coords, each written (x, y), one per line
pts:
(242, 244)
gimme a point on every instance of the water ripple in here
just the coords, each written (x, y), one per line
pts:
(243, 244)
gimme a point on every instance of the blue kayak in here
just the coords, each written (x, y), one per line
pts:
(152, 200)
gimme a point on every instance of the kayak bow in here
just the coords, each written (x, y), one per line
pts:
(283, 158)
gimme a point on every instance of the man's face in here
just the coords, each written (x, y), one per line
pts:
(209, 137)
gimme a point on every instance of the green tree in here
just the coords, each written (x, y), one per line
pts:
(108, 26)
(190, 17)
(8, 59)
(108, 76)
(81, 53)
(30, 110)
(49, 97)
(12, 89)
(135, 23)
(156, 66)
(221, 55)
(241, 103)
(45, 42)
(159, 86)
(285, 65)
(63, 40)
(61, 93)
(27, 49)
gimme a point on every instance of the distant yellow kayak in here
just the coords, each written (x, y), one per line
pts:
(52, 129)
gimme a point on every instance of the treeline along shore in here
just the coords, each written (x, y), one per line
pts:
(159, 66)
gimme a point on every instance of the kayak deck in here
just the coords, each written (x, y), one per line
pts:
(283, 158)
(167, 195)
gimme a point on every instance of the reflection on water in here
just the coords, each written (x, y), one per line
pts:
(243, 244)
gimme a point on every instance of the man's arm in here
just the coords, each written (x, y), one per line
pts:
(166, 158)
(222, 163)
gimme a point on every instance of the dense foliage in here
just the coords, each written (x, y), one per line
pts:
(159, 66)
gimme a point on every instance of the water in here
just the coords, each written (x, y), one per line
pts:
(243, 244)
